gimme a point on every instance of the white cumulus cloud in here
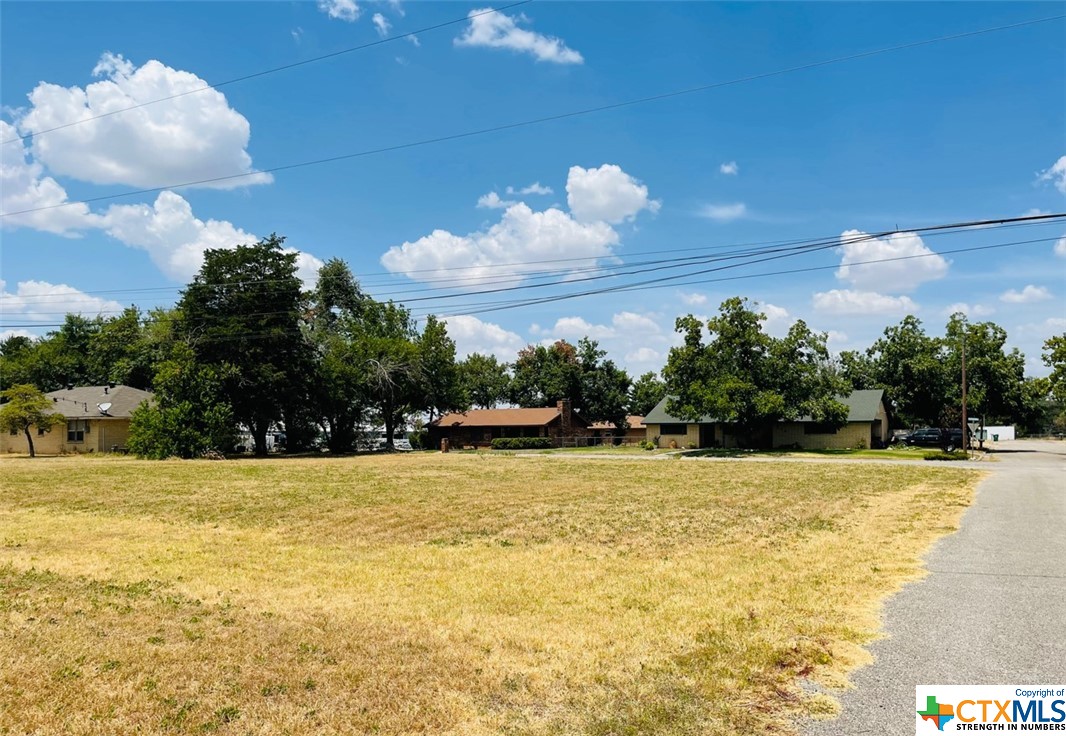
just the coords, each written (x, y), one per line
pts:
(1060, 246)
(175, 239)
(607, 193)
(472, 335)
(723, 212)
(848, 301)
(40, 301)
(730, 168)
(499, 31)
(534, 188)
(970, 310)
(778, 319)
(521, 235)
(24, 186)
(1056, 174)
(694, 299)
(598, 197)
(492, 201)
(345, 10)
(645, 357)
(1027, 295)
(857, 248)
(381, 24)
(190, 138)
(171, 235)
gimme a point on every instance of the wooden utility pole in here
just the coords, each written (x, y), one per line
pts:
(965, 425)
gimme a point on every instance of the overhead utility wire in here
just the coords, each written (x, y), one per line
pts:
(654, 265)
(272, 70)
(545, 119)
(658, 283)
(632, 287)
(804, 246)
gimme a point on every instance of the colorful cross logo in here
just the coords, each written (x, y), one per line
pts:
(938, 714)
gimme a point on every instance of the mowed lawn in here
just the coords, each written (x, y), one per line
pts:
(447, 594)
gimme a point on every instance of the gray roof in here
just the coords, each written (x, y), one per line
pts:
(862, 407)
(83, 402)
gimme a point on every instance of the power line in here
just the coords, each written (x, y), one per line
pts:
(672, 281)
(742, 249)
(657, 283)
(544, 119)
(265, 72)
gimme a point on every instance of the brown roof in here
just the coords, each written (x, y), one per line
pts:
(83, 402)
(635, 422)
(503, 418)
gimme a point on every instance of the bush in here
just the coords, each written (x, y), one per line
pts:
(522, 443)
(939, 455)
(647, 445)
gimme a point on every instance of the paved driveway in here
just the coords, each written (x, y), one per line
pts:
(993, 608)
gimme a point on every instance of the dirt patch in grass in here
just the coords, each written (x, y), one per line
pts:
(447, 594)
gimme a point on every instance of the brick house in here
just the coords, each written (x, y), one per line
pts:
(479, 427)
(867, 427)
(605, 432)
(98, 420)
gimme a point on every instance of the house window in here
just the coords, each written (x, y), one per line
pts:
(14, 433)
(673, 429)
(818, 428)
(41, 431)
(77, 429)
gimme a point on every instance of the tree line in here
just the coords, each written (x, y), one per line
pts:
(247, 346)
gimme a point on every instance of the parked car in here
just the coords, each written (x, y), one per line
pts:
(948, 439)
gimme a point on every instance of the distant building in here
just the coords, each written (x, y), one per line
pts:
(98, 420)
(867, 426)
(605, 432)
(479, 427)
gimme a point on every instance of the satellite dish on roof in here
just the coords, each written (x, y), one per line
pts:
(104, 407)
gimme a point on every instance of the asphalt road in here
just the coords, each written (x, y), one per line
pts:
(992, 610)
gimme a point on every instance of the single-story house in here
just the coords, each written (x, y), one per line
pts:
(867, 426)
(479, 427)
(604, 431)
(98, 420)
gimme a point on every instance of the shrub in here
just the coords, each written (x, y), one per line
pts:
(939, 455)
(647, 445)
(522, 443)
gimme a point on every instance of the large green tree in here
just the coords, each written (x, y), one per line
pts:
(484, 380)
(442, 385)
(340, 389)
(545, 374)
(25, 406)
(604, 386)
(647, 391)
(749, 379)
(1054, 356)
(190, 415)
(909, 365)
(242, 316)
(393, 362)
(995, 375)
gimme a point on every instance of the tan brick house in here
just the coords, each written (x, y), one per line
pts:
(98, 420)
(867, 427)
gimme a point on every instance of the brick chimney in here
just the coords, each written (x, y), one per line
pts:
(566, 421)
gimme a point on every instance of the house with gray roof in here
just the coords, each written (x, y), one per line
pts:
(98, 420)
(867, 427)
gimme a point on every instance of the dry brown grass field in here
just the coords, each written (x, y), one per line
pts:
(447, 594)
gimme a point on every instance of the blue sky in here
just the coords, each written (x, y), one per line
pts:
(964, 129)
